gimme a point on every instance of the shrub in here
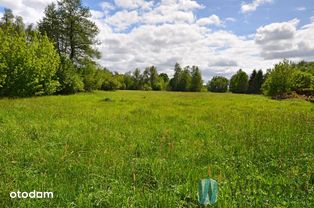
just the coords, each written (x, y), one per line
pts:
(301, 80)
(69, 78)
(147, 87)
(27, 67)
(110, 82)
(92, 77)
(279, 80)
(218, 84)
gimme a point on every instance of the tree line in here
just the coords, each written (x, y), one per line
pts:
(286, 79)
(58, 57)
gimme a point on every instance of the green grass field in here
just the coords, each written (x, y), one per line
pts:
(149, 149)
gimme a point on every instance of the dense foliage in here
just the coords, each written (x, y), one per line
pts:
(239, 82)
(301, 80)
(287, 77)
(218, 84)
(196, 82)
(70, 81)
(33, 64)
(187, 79)
(255, 82)
(28, 64)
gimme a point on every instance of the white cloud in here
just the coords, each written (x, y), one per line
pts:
(172, 11)
(163, 45)
(276, 31)
(251, 7)
(300, 9)
(188, 5)
(170, 32)
(97, 14)
(123, 19)
(230, 19)
(285, 40)
(167, 11)
(106, 6)
(158, 16)
(134, 4)
(211, 20)
(30, 10)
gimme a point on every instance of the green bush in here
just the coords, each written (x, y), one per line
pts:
(110, 82)
(92, 77)
(301, 80)
(218, 84)
(279, 80)
(147, 87)
(69, 78)
(305, 67)
(27, 67)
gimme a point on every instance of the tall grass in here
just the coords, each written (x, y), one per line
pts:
(149, 149)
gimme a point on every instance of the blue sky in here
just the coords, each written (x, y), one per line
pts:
(247, 23)
(220, 36)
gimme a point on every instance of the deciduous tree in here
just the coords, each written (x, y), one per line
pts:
(239, 82)
(279, 79)
(218, 84)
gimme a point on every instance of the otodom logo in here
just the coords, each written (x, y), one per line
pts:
(33, 195)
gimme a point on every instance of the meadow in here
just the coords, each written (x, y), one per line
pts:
(149, 149)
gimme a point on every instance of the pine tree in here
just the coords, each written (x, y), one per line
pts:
(51, 25)
(259, 80)
(252, 83)
(69, 26)
(255, 82)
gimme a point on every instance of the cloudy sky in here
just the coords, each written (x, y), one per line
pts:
(220, 36)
